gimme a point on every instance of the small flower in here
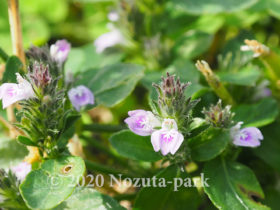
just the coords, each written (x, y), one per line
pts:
(59, 51)
(253, 45)
(168, 139)
(12, 92)
(142, 122)
(21, 170)
(246, 137)
(113, 16)
(110, 39)
(80, 96)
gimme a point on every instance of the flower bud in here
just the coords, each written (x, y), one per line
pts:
(40, 74)
(60, 50)
(217, 116)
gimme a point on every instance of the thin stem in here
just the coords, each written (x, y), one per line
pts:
(16, 35)
(3, 55)
(104, 149)
(103, 128)
(15, 27)
(107, 170)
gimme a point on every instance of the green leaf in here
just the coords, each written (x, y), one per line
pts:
(13, 66)
(209, 144)
(270, 146)
(274, 7)
(247, 77)
(193, 44)
(26, 141)
(112, 84)
(88, 199)
(232, 185)
(11, 152)
(257, 115)
(213, 6)
(84, 58)
(53, 183)
(133, 146)
(3, 55)
(168, 197)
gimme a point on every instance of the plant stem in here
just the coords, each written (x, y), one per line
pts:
(15, 27)
(16, 35)
(107, 170)
(3, 55)
(103, 128)
(104, 149)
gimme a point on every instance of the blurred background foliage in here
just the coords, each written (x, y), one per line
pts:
(161, 35)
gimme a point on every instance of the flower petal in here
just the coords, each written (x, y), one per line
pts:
(155, 139)
(179, 140)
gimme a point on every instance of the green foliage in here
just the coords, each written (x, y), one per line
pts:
(259, 114)
(209, 144)
(87, 199)
(214, 6)
(112, 84)
(166, 197)
(13, 66)
(133, 146)
(12, 152)
(54, 181)
(232, 185)
(269, 151)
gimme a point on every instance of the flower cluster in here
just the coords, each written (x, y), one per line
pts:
(217, 116)
(166, 123)
(144, 123)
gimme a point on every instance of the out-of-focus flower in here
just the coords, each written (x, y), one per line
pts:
(142, 122)
(21, 170)
(80, 96)
(253, 45)
(60, 50)
(110, 39)
(41, 74)
(262, 91)
(113, 16)
(12, 92)
(246, 137)
(168, 139)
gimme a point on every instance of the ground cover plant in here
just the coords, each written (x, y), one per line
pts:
(145, 105)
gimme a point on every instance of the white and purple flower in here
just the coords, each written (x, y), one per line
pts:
(60, 50)
(246, 137)
(12, 92)
(80, 96)
(110, 39)
(168, 139)
(21, 170)
(142, 122)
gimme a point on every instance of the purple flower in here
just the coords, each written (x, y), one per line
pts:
(12, 92)
(21, 170)
(142, 122)
(246, 137)
(168, 139)
(80, 96)
(59, 51)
